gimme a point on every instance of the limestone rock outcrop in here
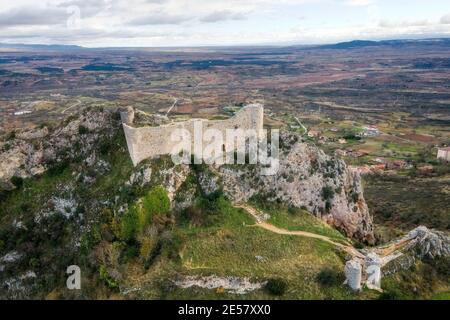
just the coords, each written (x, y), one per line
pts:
(307, 178)
(30, 152)
(429, 243)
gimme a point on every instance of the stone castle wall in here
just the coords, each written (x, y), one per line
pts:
(149, 142)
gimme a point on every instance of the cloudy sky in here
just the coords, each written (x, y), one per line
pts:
(96, 23)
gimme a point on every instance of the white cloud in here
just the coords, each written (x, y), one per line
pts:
(25, 16)
(223, 15)
(358, 3)
(208, 22)
(445, 19)
(403, 24)
(159, 18)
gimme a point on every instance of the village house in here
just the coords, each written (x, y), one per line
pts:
(397, 165)
(313, 133)
(356, 153)
(369, 131)
(379, 160)
(340, 152)
(444, 154)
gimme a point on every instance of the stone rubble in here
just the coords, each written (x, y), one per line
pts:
(234, 285)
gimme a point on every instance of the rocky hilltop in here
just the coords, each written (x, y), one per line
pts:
(307, 177)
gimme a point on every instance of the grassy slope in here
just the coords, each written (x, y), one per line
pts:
(403, 203)
(229, 247)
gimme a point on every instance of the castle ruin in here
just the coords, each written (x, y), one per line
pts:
(149, 142)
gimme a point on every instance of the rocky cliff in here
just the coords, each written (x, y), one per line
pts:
(31, 152)
(307, 178)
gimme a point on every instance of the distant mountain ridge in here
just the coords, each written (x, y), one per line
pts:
(354, 44)
(51, 47)
(391, 43)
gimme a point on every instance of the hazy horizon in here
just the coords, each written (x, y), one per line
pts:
(262, 45)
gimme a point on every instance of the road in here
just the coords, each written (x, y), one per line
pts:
(72, 106)
(173, 105)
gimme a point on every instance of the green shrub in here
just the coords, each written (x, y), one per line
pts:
(129, 225)
(58, 167)
(211, 201)
(82, 129)
(104, 275)
(25, 207)
(358, 245)
(134, 222)
(442, 266)
(17, 181)
(327, 193)
(329, 277)
(171, 245)
(155, 202)
(11, 135)
(195, 216)
(389, 295)
(148, 244)
(327, 206)
(131, 251)
(6, 147)
(293, 210)
(105, 147)
(276, 286)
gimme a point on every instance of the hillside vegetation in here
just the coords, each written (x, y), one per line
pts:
(142, 233)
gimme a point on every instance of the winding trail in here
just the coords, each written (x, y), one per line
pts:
(72, 106)
(270, 227)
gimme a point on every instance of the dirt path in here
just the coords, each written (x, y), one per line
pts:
(270, 227)
(72, 106)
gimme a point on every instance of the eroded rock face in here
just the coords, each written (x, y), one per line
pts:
(429, 243)
(420, 243)
(307, 178)
(31, 151)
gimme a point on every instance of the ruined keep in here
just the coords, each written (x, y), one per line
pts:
(373, 270)
(149, 142)
(353, 271)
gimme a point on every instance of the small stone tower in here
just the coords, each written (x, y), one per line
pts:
(127, 116)
(353, 271)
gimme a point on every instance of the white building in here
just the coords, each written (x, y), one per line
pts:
(444, 154)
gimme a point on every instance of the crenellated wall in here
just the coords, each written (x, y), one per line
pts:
(149, 142)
